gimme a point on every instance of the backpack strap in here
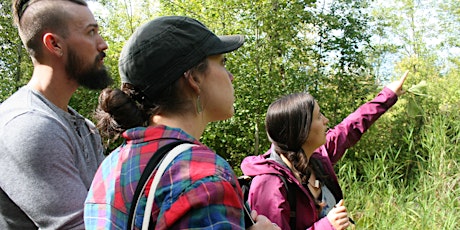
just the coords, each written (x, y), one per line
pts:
(151, 165)
(245, 183)
(156, 179)
(291, 196)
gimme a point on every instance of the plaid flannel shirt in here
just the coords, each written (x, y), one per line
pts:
(198, 189)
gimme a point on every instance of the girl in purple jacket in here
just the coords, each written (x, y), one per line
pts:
(303, 152)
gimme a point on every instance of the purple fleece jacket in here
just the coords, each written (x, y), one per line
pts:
(267, 194)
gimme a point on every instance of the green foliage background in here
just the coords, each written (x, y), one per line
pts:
(404, 173)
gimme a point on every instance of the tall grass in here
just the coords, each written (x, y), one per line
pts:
(414, 187)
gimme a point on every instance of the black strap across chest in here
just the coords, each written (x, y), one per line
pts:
(149, 168)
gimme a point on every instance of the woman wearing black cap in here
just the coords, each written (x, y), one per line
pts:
(174, 82)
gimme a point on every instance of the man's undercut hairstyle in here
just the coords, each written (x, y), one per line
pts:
(36, 17)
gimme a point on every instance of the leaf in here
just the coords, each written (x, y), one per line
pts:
(413, 109)
(419, 89)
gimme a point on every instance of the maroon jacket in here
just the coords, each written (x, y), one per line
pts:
(267, 194)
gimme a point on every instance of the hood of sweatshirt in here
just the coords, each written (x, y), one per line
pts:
(266, 164)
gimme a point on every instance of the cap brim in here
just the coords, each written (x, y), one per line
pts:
(228, 43)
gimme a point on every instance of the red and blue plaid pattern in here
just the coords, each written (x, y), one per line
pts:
(198, 190)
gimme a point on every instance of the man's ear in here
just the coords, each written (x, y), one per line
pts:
(53, 43)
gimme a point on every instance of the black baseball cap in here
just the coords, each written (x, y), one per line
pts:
(162, 50)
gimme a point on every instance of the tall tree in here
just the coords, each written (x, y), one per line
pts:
(408, 37)
(290, 48)
(15, 65)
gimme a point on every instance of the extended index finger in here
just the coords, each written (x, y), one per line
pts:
(403, 78)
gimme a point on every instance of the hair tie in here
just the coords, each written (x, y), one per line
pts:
(134, 93)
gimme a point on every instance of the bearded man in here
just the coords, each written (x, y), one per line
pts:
(50, 152)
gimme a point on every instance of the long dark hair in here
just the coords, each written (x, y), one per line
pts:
(125, 108)
(287, 123)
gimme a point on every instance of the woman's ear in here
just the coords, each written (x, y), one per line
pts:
(53, 43)
(193, 81)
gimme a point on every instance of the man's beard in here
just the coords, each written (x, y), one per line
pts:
(92, 77)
